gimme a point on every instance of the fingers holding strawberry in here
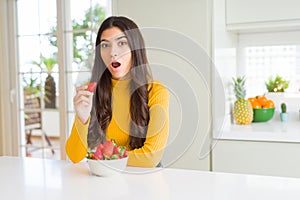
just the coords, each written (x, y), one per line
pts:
(83, 100)
(92, 86)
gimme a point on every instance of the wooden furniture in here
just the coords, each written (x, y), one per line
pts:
(33, 121)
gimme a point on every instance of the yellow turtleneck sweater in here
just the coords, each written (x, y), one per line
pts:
(158, 128)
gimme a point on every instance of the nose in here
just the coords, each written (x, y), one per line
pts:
(113, 54)
(114, 51)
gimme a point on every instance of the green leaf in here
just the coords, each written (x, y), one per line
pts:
(277, 84)
(114, 156)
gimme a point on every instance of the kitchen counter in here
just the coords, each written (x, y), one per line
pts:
(271, 131)
(32, 178)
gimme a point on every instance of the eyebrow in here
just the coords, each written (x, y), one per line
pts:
(122, 36)
(118, 38)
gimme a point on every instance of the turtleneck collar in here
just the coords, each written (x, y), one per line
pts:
(120, 83)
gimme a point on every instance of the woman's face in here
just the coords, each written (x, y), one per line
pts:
(115, 52)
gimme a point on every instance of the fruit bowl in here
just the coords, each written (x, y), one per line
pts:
(107, 167)
(262, 114)
(108, 159)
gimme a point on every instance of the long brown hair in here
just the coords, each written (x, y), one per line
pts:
(140, 75)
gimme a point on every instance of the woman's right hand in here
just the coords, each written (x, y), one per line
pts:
(83, 101)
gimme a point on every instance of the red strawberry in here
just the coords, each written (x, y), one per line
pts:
(108, 149)
(116, 150)
(92, 86)
(125, 153)
(98, 154)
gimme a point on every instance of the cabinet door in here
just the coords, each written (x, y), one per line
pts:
(262, 11)
(262, 158)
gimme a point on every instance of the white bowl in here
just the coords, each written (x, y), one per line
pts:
(107, 167)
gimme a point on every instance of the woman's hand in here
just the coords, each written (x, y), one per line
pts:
(83, 103)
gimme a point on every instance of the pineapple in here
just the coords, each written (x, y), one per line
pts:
(242, 111)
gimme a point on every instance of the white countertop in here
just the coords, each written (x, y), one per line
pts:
(32, 178)
(271, 131)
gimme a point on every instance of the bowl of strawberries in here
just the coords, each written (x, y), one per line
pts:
(108, 159)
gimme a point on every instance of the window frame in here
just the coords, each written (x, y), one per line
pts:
(275, 38)
(10, 134)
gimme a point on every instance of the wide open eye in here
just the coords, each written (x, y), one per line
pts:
(104, 45)
(123, 43)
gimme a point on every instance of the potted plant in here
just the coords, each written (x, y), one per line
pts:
(276, 88)
(278, 84)
(49, 87)
(284, 116)
(31, 87)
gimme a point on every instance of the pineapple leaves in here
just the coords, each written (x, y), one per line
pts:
(239, 87)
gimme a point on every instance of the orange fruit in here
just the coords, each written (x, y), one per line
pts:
(269, 104)
(251, 99)
(262, 100)
(255, 104)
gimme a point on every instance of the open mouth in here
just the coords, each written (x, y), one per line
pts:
(115, 64)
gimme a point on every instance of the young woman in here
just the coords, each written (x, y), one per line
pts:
(127, 105)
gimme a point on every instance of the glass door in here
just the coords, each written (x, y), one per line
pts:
(38, 78)
(55, 46)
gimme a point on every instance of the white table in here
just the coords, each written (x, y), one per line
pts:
(32, 178)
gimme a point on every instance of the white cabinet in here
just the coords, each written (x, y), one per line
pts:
(263, 158)
(256, 14)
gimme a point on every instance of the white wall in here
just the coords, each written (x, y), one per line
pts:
(224, 55)
(224, 45)
(179, 45)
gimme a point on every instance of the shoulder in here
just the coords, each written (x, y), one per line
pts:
(156, 87)
(158, 92)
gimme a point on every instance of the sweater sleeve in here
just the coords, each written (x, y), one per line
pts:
(158, 128)
(76, 145)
